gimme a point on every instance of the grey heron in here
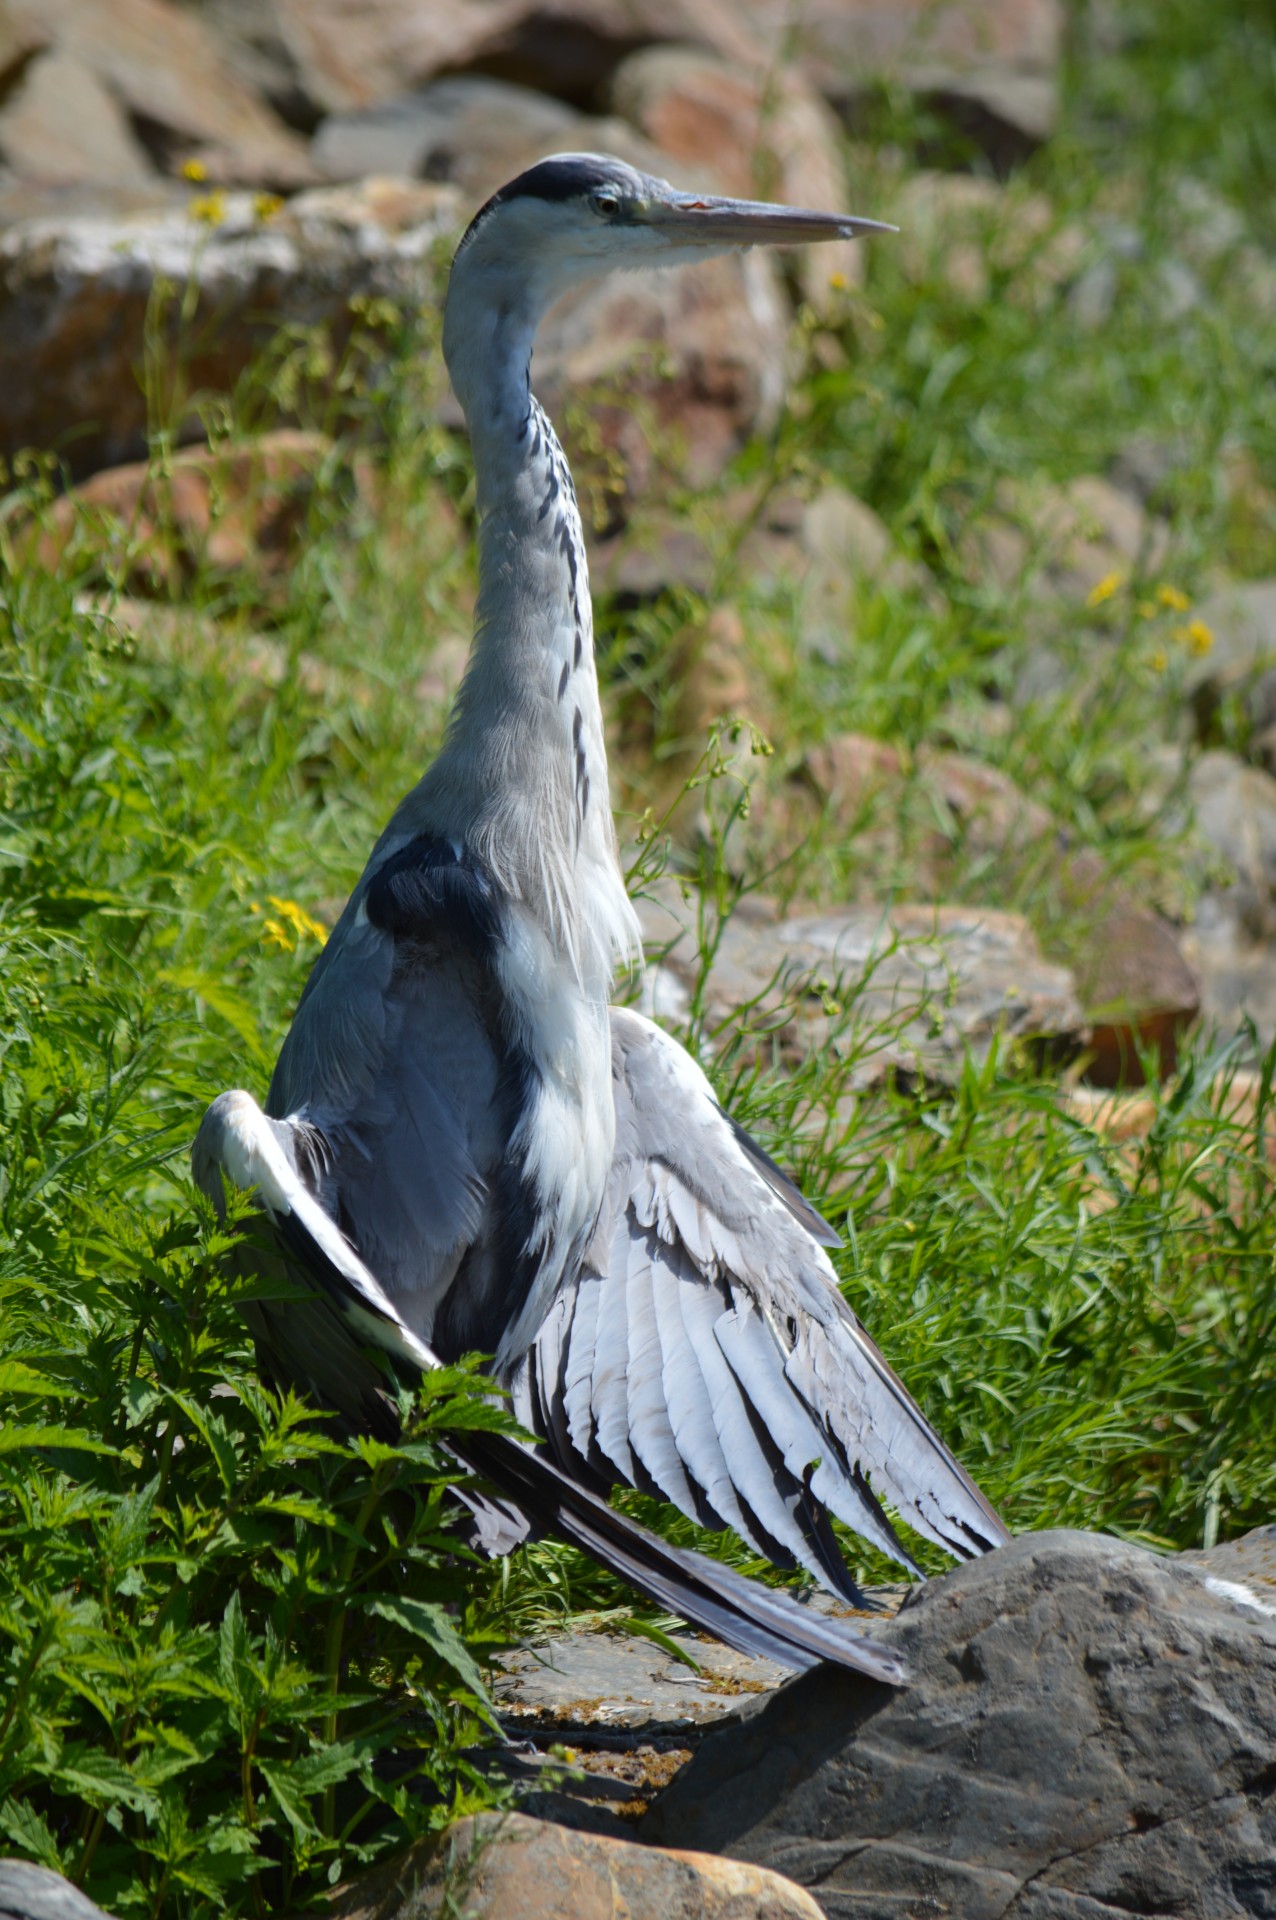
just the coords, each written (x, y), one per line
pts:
(464, 1148)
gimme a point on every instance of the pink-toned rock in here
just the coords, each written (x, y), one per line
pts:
(850, 770)
(61, 124)
(352, 53)
(165, 67)
(759, 135)
(224, 507)
(511, 1867)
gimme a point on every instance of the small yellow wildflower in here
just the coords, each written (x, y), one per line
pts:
(1146, 609)
(838, 282)
(194, 171)
(266, 205)
(1103, 590)
(208, 208)
(301, 922)
(1195, 636)
(1174, 598)
(1160, 660)
(275, 934)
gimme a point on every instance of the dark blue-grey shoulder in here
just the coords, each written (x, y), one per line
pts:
(431, 889)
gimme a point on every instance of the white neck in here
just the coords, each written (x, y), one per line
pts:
(522, 775)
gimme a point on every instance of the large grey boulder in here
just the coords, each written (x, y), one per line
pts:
(1090, 1731)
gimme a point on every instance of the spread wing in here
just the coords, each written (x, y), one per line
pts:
(320, 1342)
(705, 1353)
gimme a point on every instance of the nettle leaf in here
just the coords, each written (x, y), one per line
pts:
(17, 1377)
(29, 1439)
(102, 1780)
(427, 1621)
(296, 1784)
(213, 1431)
(30, 1832)
(235, 1664)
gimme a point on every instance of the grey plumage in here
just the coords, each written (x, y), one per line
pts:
(464, 1149)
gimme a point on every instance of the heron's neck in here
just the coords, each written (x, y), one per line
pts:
(524, 760)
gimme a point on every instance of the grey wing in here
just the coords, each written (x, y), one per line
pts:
(705, 1352)
(321, 1340)
(406, 1059)
(388, 1060)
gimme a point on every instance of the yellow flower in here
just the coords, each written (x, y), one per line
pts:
(1196, 636)
(194, 170)
(266, 205)
(274, 934)
(1159, 661)
(1146, 610)
(1174, 598)
(209, 208)
(1103, 590)
(837, 281)
(301, 922)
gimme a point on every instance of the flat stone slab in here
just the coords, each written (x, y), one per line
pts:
(619, 1681)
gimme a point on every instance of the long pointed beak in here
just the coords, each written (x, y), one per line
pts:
(699, 220)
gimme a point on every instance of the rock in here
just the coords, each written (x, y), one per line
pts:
(1238, 1097)
(21, 37)
(29, 1892)
(254, 45)
(1145, 466)
(579, 1680)
(164, 66)
(1240, 660)
(60, 124)
(850, 770)
(1234, 809)
(1072, 537)
(907, 990)
(352, 53)
(684, 365)
(227, 507)
(1089, 1730)
(471, 130)
(992, 65)
(74, 298)
(512, 1867)
(1229, 940)
(1140, 992)
(756, 134)
(1236, 971)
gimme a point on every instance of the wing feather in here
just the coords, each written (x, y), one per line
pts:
(650, 1431)
(778, 1405)
(280, 1160)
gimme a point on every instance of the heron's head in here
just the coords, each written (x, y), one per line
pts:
(577, 215)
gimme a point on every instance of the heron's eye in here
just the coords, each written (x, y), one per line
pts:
(605, 200)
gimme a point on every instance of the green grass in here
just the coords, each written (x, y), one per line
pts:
(217, 1623)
